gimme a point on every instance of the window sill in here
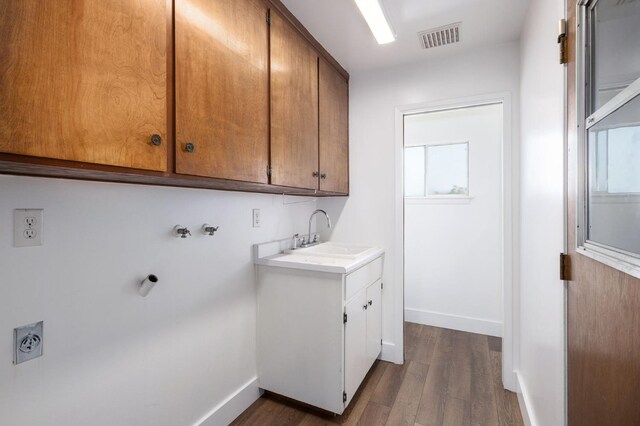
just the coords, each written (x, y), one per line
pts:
(610, 258)
(454, 199)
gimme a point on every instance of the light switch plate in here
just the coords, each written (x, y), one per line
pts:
(256, 218)
(27, 342)
(27, 227)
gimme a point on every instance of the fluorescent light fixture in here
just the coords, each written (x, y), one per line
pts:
(374, 15)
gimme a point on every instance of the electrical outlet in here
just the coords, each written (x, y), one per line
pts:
(256, 218)
(27, 226)
(27, 342)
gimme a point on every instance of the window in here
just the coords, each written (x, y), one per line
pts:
(437, 170)
(610, 143)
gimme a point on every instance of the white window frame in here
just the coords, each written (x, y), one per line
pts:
(443, 198)
(614, 257)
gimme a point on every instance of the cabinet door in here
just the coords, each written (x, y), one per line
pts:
(374, 322)
(355, 353)
(222, 89)
(85, 80)
(334, 130)
(294, 107)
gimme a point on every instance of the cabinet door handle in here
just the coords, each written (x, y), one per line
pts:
(323, 176)
(370, 302)
(189, 147)
(156, 140)
(365, 306)
(315, 174)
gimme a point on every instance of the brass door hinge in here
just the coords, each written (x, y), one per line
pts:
(565, 267)
(562, 40)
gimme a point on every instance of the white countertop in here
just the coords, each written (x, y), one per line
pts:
(340, 258)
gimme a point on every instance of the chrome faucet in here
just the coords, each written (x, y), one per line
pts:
(315, 240)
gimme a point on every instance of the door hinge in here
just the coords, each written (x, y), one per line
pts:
(269, 171)
(344, 397)
(344, 318)
(380, 342)
(268, 17)
(381, 285)
(565, 267)
(562, 40)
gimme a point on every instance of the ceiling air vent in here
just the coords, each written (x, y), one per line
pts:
(449, 34)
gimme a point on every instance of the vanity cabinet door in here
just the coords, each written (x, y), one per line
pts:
(374, 322)
(294, 107)
(355, 344)
(222, 89)
(85, 80)
(334, 130)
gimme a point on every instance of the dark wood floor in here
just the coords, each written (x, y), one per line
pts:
(449, 378)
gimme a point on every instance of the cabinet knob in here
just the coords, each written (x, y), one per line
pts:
(156, 140)
(315, 174)
(189, 147)
(323, 176)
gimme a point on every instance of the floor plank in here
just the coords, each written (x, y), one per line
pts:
(459, 385)
(389, 385)
(506, 402)
(406, 404)
(450, 378)
(483, 403)
(457, 412)
(434, 393)
(374, 415)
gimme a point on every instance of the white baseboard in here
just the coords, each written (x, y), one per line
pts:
(454, 322)
(525, 402)
(225, 412)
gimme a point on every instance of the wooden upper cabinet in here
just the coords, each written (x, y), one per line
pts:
(334, 130)
(294, 107)
(222, 89)
(85, 80)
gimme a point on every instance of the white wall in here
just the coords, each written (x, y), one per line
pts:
(369, 214)
(110, 356)
(541, 368)
(453, 248)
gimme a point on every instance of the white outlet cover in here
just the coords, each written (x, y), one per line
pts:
(28, 227)
(256, 218)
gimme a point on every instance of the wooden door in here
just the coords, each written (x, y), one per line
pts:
(222, 89)
(334, 130)
(294, 107)
(374, 322)
(85, 80)
(603, 312)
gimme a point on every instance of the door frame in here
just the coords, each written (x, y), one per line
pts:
(510, 208)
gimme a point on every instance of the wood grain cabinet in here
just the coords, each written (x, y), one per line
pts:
(294, 108)
(334, 129)
(224, 94)
(222, 89)
(85, 80)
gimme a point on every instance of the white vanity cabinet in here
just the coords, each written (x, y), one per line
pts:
(319, 332)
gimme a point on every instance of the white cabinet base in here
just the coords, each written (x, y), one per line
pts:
(306, 351)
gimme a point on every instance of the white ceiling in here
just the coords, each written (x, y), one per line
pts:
(341, 29)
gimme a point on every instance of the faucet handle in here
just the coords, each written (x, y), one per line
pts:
(208, 229)
(180, 231)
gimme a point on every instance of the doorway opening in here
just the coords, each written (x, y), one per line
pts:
(454, 226)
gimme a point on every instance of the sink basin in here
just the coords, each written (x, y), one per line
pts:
(326, 257)
(335, 250)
